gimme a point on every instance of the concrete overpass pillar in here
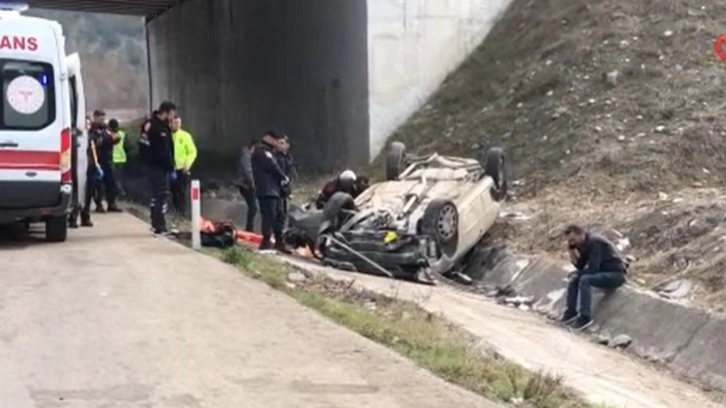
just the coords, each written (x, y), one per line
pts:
(238, 67)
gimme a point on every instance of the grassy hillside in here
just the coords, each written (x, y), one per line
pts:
(113, 54)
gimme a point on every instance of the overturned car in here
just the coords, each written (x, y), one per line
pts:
(422, 221)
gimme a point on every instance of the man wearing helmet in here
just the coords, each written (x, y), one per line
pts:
(346, 182)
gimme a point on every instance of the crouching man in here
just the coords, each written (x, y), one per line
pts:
(598, 264)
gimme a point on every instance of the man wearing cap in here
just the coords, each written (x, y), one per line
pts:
(269, 182)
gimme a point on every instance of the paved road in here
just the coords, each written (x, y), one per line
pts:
(116, 318)
(599, 373)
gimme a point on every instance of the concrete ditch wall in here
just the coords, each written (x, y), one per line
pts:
(691, 342)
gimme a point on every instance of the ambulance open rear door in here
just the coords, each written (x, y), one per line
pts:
(78, 123)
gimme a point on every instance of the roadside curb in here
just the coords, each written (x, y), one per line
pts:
(688, 341)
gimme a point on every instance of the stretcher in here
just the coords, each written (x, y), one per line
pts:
(240, 235)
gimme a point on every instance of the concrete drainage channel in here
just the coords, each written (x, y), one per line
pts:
(688, 341)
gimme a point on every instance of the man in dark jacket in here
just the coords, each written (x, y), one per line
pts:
(158, 156)
(98, 138)
(598, 264)
(105, 141)
(246, 184)
(269, 182)
(284, 159)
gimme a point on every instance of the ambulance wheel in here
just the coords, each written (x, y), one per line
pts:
(56, 229)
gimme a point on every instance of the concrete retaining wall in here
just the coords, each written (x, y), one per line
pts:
(689, 341)
(412, 47)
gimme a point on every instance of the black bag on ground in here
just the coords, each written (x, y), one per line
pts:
(223, 236)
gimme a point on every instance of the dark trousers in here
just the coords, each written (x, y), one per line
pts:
(180, 191)
(251, 202)
(159, 186)
(282, 213)
(118, 172)
(92, 186)
(106, 188)
(273, 220)
(579, 290)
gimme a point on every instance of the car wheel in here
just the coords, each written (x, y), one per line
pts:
(441, 221)
(495, 166)
(395, 160)
(332, 217)
(56, 229)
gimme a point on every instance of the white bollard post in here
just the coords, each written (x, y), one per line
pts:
(196, 215)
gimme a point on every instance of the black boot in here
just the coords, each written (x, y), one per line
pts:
(86, 221)
(73, 219)
(114, 208)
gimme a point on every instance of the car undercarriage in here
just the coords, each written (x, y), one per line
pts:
(405, 228)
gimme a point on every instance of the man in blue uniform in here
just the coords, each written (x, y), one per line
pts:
(158, 155)
(269, 182)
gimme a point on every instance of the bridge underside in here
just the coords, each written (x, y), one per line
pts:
(145, 8)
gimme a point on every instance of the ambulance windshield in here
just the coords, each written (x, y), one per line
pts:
(28, 95)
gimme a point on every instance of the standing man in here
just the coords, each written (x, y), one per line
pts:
(246, 184)
(97, 136)
(598, 264)
(119, 155)
(185, 153)
(269, 181)
(284, 160)
(158, 154)
(105, 141)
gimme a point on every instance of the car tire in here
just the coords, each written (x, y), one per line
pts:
(332, 212)
(441, 221)
(495, 166)
(395, 160)
(56, 229)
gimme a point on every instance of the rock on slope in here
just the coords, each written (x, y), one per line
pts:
(609, 110)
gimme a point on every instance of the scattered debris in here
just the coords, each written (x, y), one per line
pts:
(502, 291)
(675, 290)
(296, 277)
(620, 341)
(519, 301)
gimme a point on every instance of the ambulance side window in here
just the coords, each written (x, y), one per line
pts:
(28, 95)
(74, 102)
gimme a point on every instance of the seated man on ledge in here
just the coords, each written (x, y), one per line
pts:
(598, 264)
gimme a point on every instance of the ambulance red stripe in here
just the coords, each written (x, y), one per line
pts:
(29, 160)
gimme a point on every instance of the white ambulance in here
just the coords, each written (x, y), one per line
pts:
(42, 112)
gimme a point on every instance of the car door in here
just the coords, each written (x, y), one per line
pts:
(78, 123)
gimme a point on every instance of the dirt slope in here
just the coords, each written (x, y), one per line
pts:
(613, 115)
(539, 86)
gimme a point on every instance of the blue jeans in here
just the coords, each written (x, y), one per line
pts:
(579, 290)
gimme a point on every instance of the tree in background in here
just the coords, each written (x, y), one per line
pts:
(113, 54)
